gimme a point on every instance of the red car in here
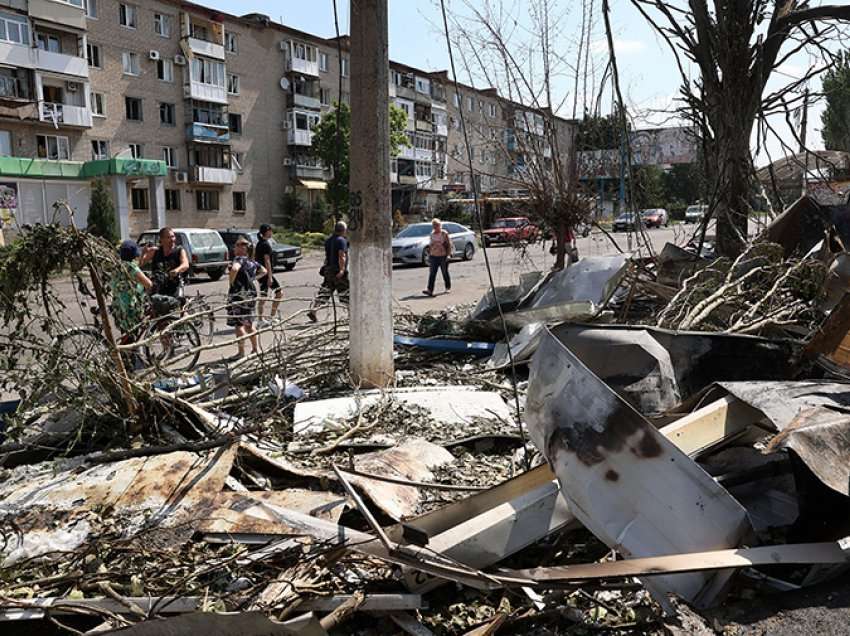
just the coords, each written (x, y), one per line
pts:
(510, 230)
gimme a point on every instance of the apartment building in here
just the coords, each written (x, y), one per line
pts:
(200, 118)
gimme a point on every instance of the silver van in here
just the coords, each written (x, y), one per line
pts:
(205, 248)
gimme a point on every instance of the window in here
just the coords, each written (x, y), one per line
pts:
(14, 29)
(470, 104)
(91, 9)
(172, 199)
(234, 122)
(345, 98)
(169, 156)
(130, 63)
(139, 198)
(456, 100)
(162, 25)
(93, 55)
(208, 72)
(481, 106)
(230, 42)
(133, 106)
(240, 201)
(5, 143)
(325, 96)
(491, 108)
(166, 114)
(208, 113)
(237, 160)
(48, 42)
(345, 67)
(99, 149)
(128, 15)
(52, 147)
(165, 70)
(423, 86)
(98, 101)
(76, 3)
(136, 151)
(206, 199)
(323, 62)
(233, 84)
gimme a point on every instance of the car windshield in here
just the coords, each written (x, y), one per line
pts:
(149, 238)
(206, 239)
(415, 231)
(649, 212)
(505, 223)
(694, 209)
(625, 217)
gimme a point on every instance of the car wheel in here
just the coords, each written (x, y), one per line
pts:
(289, 267)
(468, 252)
(425, 254)
(215, 274)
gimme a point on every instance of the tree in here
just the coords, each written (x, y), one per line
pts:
(334, 149)
(648, 188)
(101, 221)
(836, 117)
(684, 184)
(736, 47)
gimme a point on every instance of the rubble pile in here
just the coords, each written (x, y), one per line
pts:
(655, 447)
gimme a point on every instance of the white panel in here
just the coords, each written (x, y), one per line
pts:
(55, 192)
(79, 196)
(29, 199)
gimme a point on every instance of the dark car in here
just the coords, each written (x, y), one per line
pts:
(283, 256)
(625, 222)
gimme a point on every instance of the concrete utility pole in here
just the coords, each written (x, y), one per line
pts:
(371, 315)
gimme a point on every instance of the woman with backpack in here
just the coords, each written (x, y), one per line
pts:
(242, 295)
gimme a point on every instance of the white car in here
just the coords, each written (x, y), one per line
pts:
(694, 213)
(411, 244)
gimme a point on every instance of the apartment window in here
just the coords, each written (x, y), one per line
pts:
(206, 199)
(162, 25)
(231, 44)
(345, 67)
(345, 98)
(208, 72)
(91, 9)
(130, 63)
(325, 96)
(208, 113)
(48, 42)
(136, 151)
(99, 149)
(423, 86)
(491, 109)
(240, 201)
(456, 100)
(98, 104)
(52, 147)
(133, 107)
(93, 55)
(470, 104)
(76, 3)
(481, 106)
(172, 199)
(14, 29)
(169, 156)
(233, 84)
(323, 62)
(166, 114)
(165, 70)
(128, 15)
(5, 143)
(234, 122)
(139, 198)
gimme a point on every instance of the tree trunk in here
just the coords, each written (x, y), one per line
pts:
(560, 246)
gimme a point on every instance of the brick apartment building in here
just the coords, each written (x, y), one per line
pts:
(200, 118)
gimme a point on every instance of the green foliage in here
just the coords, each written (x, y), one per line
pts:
(648, 187)
(684, 184)
(291, 209)
(102, 220)
(835, 119)
(599, 133)
(334, 150)
(301, 239)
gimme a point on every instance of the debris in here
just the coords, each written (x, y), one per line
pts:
(445, 345)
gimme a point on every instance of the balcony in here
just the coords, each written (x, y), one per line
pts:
(306, 101)
(62, 13)
(206, 92)
(213, 176)
(13, 90)
(305, 67)
(406, 92)
(61, 63)
(208, 133)
(424, 126)
(309, 172)
(407, 179)
(205, 48)
(65, 115)
(299, 137)
(441, 130)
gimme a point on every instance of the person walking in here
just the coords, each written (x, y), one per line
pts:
(439, 252)
(263, 256)
(334, 272)
(242, 294)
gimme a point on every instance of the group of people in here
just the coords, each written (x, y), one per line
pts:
(250, 266)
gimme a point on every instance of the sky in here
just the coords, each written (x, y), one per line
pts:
(648, 75)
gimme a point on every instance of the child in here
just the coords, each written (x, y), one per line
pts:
(242, 295)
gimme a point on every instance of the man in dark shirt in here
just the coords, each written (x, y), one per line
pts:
(263, 255)
(169, 263)
(335, 270)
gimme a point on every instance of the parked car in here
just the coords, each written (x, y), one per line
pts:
(411, 244)
(205, 248)
(511, 229)
(626, 222)
(655, 217)
(694, 213)
(283, 255)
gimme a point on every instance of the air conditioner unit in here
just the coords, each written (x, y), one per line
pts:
(286, 125)
(179, 60)
(284, 45)
(154, 55)
(181, 177)
(287, 161)
(71, 87)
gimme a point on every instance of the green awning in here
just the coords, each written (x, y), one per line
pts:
(129, 167)
(46, 169)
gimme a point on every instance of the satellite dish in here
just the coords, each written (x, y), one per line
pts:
(284, 83)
